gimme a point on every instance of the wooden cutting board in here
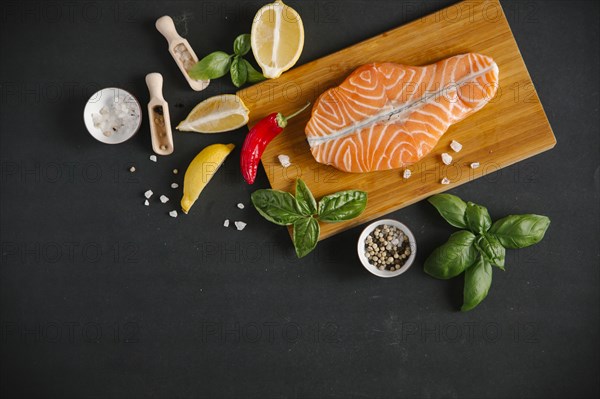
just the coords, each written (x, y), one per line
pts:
(512, 127)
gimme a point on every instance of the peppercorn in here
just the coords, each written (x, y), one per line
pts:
(387, 248)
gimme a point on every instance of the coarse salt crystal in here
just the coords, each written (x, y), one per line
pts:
(116, 118)
(474, 165)
(132, 169)
(226, 223)
(456, 146)
(175, 171)
(148, 194)
(174, 185)
(446, 158)
(240, 205)
(240, 225)
(284, 160)
(146, 203)
(164, 199)
(407, 173)
(153, 158)
(173, 214)
(445, 180)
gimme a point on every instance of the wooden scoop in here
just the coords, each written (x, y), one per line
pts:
(158, 113)
(181, 51)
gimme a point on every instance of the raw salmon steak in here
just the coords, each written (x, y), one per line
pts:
(386, 116)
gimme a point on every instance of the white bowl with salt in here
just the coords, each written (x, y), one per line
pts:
(112, 115)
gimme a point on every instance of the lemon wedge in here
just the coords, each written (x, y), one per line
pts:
(277, 38)
(201, 170)
(216, 114)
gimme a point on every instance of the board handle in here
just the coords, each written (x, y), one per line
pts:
(154, 81)
(166, 27)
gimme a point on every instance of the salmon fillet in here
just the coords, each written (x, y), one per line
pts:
(386, 116)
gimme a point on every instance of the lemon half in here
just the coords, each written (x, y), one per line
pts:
(277, 38)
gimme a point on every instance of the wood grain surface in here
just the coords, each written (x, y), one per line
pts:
(512, 127)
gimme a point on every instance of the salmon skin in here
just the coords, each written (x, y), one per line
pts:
(386, 116)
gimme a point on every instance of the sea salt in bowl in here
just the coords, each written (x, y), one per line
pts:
(112, 115)
(412, 243)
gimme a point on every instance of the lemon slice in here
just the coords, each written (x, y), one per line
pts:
(201, 170)
(277, 38)
(216, 114)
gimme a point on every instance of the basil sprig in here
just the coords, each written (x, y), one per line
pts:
(217, 64)
(303, 212)
(480, 246)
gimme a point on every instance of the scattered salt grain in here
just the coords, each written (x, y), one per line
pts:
(406, 173)
(174, 185)
(474, 165)
(148, 194)
(146, 203)
(153, 158)
(284, 160)
(445, 180)
(446, 158)
(173, 214)
(456, 146)
(240, 225)
(164, 199)
(226, 223)
(132, 169)
(175, 171)
(240, 205)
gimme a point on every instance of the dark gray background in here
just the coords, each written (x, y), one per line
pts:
(102, 297)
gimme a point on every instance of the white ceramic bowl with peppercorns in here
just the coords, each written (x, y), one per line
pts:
(387, 248)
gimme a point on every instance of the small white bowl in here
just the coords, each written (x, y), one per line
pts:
(105, 97)
(373, 269)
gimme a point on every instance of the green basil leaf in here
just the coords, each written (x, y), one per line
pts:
(253, 75)
(491, 249)
(306, 235)
(212, 66)
(277, 206)
(477, 217)
(452, 258)
(241, 44)
(341, 206)
(239, 73)
(305, 198)
(519, 231)
(478, 280)
(451, 208)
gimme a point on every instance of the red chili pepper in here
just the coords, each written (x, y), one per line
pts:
(258, 138)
